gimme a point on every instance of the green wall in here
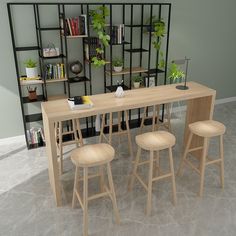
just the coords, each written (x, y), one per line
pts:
(201, 30)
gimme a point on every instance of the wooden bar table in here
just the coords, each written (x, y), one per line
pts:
(200, 105)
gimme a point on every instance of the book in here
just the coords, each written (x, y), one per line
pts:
(80, 102)
(151, 81)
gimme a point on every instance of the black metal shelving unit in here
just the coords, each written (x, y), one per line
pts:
(135, 45)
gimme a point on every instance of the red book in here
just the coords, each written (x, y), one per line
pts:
(76, 23)
(72, 26)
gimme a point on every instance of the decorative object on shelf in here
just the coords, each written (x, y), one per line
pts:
(51, 51)
(117, 64)
(185, 62)
(119, 91)
(76, 68)
(151, 81)
(137, 80)
(98, 20)
(117, 34)
(31, 68)
(55, 71)
(32, 93)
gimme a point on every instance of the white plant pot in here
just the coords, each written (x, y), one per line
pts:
(136, 84)
(117, 68)
(31, 72)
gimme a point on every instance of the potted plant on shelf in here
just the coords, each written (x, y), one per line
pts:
(137, 80)
(117, 65)
(31, 68)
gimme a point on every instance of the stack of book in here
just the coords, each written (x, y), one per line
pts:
(36, 136)
(73, 26)
(55, 71)
(90, 45)
(80, 102)
(117, 34)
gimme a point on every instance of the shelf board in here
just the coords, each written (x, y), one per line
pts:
(77, 79)
(154, 71)
(33, 117)
(126, 71)
(29, 82)
(40, 98)
(134, 50)
(27, 48)
(48, 81)
(48, 28)
(89, 62)
(54, 57)
(57, 97)
(76, 36)
(119, 43)
(113, 88)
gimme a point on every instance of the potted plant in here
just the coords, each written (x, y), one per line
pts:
(117, 64)
(31, 68)
(137, 80)
(175, 72)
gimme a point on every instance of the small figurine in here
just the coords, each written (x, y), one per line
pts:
(119, 91)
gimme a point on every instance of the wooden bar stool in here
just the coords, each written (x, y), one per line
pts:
(154, 142)
(119, 132)
(205, 129)
(156, 116)
(96, 155)
(60, 133)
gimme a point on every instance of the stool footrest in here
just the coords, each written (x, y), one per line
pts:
(210, 161)
(192, 166)
(141, 181)
(162, 177)
(195, 149)
(90, 177)
(98, 195)
(80, 200)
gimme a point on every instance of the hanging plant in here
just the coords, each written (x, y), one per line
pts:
(158, 29)
(98, 17)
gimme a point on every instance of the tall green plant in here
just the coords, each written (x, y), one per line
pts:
(98, 23)
(175, 72)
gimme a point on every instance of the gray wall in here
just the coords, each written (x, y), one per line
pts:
(203, 30)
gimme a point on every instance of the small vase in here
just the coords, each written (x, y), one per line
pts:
(31, 72)
(119, 92)
(32, 95)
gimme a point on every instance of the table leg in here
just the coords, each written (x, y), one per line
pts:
(51, 151)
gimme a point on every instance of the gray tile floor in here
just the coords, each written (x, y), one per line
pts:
(27, 206)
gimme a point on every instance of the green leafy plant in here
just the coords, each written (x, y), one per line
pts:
(137, 79)
(30, 63)
(98, 17)
(175, 72)
(117, 62)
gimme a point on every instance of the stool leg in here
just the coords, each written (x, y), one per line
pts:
(222, 161)
(157, 160)
(143, 119)
(119, 124)
(85, 200)
(129, 136)
(203, 165)
(179, 173)
(157, 115)
(116, 212)
(60, 148)
(79, 132)
(153, 118)
(173, 176)
(110, 127)
(101, 179)
(168, 116)
(102, 128)
(75, 132)
(133, 174)
(76, 187)
(150, 176)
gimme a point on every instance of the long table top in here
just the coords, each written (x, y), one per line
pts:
(59, 110)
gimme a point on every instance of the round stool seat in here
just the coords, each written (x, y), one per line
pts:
(93, 155)
(207, 128)
(157, 140)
